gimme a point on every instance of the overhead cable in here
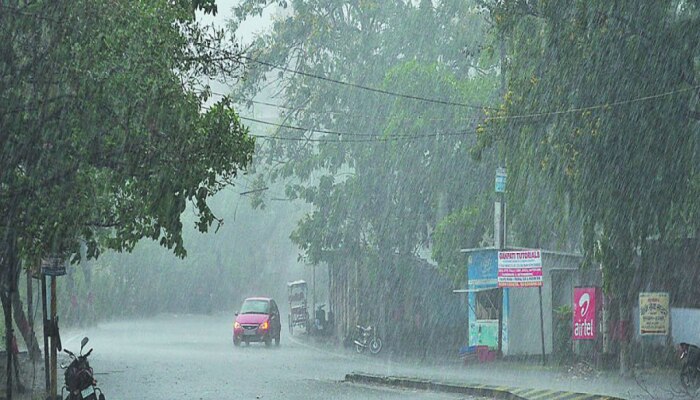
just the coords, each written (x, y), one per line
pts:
(373, 136)
(327, 112)
(593, 107)
(367, 88)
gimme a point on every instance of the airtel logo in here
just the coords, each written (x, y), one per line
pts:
(583, 302)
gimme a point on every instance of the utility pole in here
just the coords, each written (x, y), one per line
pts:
(500, 240)
(47, 332)
(55, 341)
(500, 206)
(313, 299)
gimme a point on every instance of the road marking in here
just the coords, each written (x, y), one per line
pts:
(536, 393)
(548, 395)
(561, 396)
(542, 394)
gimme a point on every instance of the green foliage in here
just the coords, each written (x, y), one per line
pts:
(562, 338)
(383, 195)
(463, 229)
(623, 149)
(103, 139)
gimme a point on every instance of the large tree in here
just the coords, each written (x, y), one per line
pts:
(602, 103)
(381, 166)
(104, 141)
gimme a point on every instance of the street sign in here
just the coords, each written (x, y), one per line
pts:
(53, 266)
(521, 268)
(501, 180)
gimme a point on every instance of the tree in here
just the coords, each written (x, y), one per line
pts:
(379, 170)
(103, 139)
(605, 112)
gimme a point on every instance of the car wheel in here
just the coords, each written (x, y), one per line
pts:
(277, 340)
(268, 341)
(236, 342)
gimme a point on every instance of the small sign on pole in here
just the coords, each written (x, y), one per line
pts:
(521, 268)
(501, 180)
(654, 313)
(53, 266)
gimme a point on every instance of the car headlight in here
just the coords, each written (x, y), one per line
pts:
(236, 325)
(264, 325)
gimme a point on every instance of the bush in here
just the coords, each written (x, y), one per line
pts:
(562, 351)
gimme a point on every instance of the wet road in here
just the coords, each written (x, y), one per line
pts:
(192, 357)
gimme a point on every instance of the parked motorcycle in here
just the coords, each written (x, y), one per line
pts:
(690, 369)
(79, 379)
(367, 337)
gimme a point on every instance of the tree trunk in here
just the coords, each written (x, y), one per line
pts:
(626, 367)
(7, 309)
(24, 326)
(8, 284)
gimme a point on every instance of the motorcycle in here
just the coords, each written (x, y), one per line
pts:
(690, 369)
(368, 338)
(79, 380)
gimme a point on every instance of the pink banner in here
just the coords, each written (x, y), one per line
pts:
(585, 313)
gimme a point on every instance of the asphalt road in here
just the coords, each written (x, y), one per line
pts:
(192, 357)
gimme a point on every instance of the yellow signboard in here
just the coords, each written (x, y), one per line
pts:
(654, 312)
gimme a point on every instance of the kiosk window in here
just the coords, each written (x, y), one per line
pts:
(487, 304)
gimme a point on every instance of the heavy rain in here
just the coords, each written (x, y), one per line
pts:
(343, 199)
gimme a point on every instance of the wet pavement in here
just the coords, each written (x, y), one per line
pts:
(192, 357)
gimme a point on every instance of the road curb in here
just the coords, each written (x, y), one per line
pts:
(495, 392)
(413, 383)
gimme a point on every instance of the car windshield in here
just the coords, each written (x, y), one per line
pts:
(255, 307)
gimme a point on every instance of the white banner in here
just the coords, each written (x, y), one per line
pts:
(521, 268)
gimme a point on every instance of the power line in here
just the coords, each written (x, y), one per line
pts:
(19, 11)
(565, 111)
(378, 138)
(358, 86)
(372, 136)
(593, 107)
(328, 112)
(339, 140)
(364, 137)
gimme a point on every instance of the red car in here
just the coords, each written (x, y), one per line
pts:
(257, 321)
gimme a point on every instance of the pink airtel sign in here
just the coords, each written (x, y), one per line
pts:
(585, 313)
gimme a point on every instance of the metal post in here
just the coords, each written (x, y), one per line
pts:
(544, 357)
(500, 321)
(54, 341)
(46, 322)
(313, 300)
(500, 239)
